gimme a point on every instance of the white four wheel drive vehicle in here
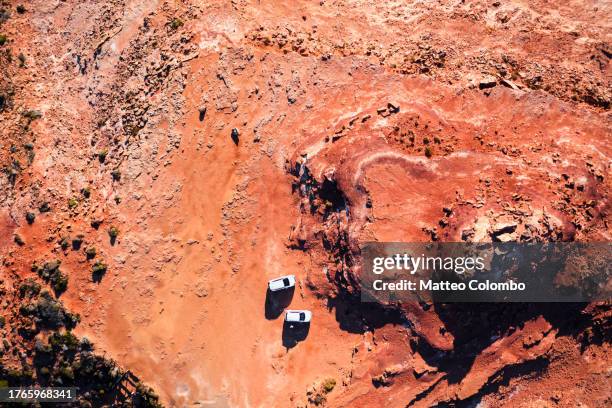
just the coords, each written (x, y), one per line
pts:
(284, 282)
(298, 316)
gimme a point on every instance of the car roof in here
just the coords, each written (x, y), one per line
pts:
(281, 278)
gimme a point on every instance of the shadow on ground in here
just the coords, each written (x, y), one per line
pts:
(276, 302)
(355, 316)
(293, 333)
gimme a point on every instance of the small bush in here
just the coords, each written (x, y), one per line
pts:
(50, 311)
(27, 309)
(328, 385)
(44, 207)
(86, 191)
(72, 203)
(22, 59)
(113, 232)
(116, 174)
(3, 39)
(428, 152)
(21, 9)
(30, 288)
(61, 283)
(91, 252)
(51, 273)
(176, 23)
(48, 268)
(102, 155)
(99, 268)
(67, 339)
(145, 396)
(66, 372)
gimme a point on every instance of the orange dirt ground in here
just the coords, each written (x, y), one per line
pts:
(503, 115)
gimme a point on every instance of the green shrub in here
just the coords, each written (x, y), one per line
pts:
(72, 203)
(50, 312)
(58, 341)
(428, 152)
(102, 155)
(176, 23)
(61, 283)
(113, 232)
(66, 372)
(91, 252)
(27, 309)
(51, 273)
(328, 385)
(98, 270)
(30, 288)
(49, 268)
(145, 396)
(99, 267)
(3, 39)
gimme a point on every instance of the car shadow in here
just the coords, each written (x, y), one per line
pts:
(276, 302)
(293, 333)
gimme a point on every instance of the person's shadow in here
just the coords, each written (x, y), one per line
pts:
(293, 333)
(276, 302)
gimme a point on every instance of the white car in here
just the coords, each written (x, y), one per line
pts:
(284, 282)
(298, 316)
